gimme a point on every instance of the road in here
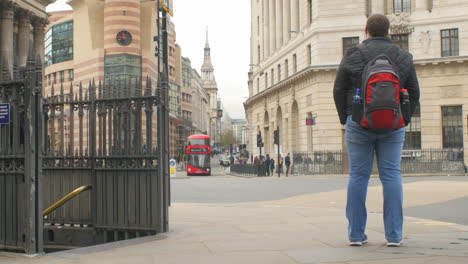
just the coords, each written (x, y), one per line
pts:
(425, 197)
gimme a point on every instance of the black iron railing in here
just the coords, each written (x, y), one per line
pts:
(319, 163)
(249, 169)
(428, 161)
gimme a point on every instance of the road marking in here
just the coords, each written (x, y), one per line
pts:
(435, 223)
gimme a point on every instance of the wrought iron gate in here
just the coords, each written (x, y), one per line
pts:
(20, 166)
(103, 135)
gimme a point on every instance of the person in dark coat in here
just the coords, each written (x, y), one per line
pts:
(287, 161)
(363, 143)
(268, 164)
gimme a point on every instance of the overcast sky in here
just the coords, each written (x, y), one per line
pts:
(228, 23)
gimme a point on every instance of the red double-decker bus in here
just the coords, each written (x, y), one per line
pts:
(198, 155)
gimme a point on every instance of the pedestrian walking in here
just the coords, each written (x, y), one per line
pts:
(272, 166)
(287, 161)
(268, 164)
(280, 164)
(374, 74)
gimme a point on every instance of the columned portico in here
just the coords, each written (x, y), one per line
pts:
(24, 36)
(266, 27)
(271, 7)
(16, 19)
(38, 36)
(295, 16)
(279, 23)
(7, 22)
(286, 20)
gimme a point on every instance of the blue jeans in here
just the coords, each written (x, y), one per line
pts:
(387, 145)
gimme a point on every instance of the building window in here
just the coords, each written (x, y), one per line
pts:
(402, 6)
(349, 43)
(62, 76)
(286, 70)
(71, 75)
(258, 85)
(294, 63)
(279, 72)
(309, 11)
(401, 41)
(449, 39)
(272, 76)
(55, 77)
(413, 131)
(258, 54)
(59, 43)
(309, 54)
(452, 127)
(266, 81)
(122, 68)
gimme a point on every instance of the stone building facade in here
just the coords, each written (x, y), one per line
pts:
(22, 25)
(201, 109)
(110, 41)
(297, 45)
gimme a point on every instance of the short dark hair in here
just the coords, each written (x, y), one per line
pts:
(378, 25)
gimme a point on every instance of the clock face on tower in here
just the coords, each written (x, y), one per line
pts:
(124, 38)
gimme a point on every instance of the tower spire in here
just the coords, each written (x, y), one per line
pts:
(207, 45)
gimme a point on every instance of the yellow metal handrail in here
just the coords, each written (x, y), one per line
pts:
(65, 199)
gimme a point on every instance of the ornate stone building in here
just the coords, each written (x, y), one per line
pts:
(297, 45)
(22, 26)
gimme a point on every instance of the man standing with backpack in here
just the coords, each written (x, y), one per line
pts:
(376, 92)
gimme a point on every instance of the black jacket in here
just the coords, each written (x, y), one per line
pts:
(349, 74)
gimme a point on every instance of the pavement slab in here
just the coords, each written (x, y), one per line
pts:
(304, 229)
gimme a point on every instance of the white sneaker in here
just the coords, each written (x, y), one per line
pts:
(357, 244)
(393, 244)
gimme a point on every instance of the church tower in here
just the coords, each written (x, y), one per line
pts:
(209, 84)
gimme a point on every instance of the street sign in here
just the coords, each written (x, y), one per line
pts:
(168, 6)
(310, 121)
(172, 164)
(4, 113)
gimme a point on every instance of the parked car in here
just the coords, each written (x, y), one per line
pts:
(225, 161)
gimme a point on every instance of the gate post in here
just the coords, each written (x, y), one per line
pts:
(33, 237)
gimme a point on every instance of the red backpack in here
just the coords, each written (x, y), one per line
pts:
(381, 93)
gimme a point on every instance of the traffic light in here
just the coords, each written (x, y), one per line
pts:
(259, 140)
(276, 137)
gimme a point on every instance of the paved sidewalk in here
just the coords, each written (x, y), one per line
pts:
(270, 233)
